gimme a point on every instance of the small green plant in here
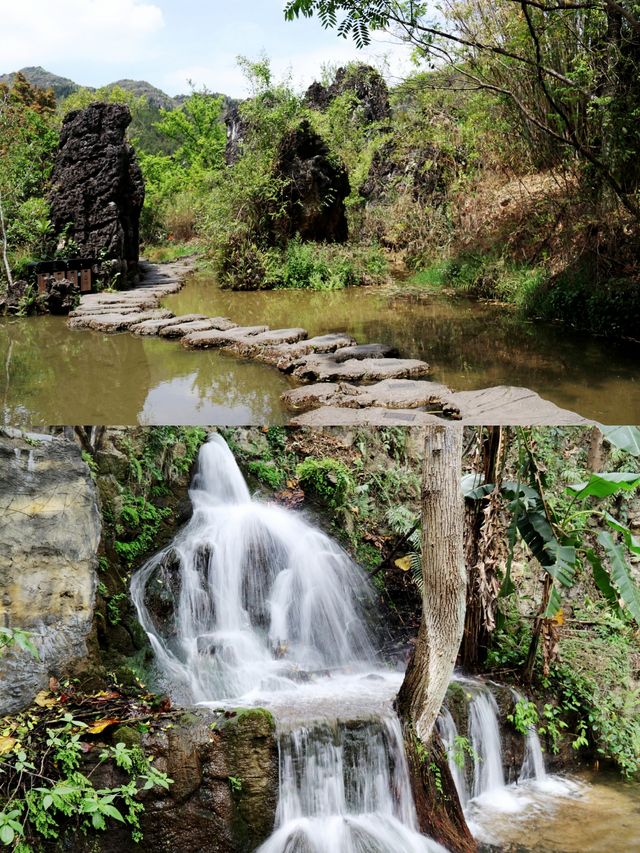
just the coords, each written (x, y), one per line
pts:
(524, 717)
(16, 637)
(235, 783)
(328, 480)
(267, 473)
(113, 608)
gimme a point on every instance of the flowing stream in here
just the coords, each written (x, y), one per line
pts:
(258, 606)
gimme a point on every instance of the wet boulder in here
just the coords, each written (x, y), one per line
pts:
(97, 188)
(316, 187)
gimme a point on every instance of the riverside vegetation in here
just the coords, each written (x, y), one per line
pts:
(504, 167)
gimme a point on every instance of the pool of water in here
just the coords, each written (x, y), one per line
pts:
(49, 374)
(601, 816)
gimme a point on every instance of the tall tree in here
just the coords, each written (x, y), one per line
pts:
(444, 575)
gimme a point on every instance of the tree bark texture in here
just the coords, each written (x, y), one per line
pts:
(444, 574)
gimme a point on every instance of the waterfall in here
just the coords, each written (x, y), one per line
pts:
(346, 789)
(448, 732)
(256, 595)
(251, 603)
(533, 761)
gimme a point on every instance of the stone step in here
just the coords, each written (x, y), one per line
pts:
(211, 339)
(210, 324)
(154, 327)
(389, 393)
(325, 368)
(116, 322)
(362, 351)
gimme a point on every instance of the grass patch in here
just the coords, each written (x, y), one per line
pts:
(164, 253)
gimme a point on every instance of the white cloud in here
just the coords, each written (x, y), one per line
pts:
(37, 32)
(224, 75)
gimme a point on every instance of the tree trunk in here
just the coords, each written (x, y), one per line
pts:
(444, 575)
(429, 672)
(480, 552)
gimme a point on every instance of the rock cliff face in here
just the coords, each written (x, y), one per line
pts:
(97, 187)
(50, 531)
(316, 188)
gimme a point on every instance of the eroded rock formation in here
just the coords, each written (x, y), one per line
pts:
(50, 531)
(316, 188)
(97, 188)
(363, 81)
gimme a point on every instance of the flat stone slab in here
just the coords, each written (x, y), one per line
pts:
(154, 327)
(210, 339)
(325, 368)
(116, 322)
(361, 351)
(320, 344)
(390, 394)
(266, 346)
(116, 308)
(210, 324)
(505, 405)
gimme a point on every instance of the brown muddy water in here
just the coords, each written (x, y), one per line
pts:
(49, 374)
(605, 818)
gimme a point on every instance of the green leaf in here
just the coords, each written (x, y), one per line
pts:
(555, 603)
(563, 568)
(6, 834)
(604, 485)
(632, 542)
(602, 580)
(111, 811)
(620, 574)
(625, 438)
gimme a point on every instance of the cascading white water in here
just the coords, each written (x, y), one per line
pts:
(493, 803)
(252, 603)
(533, 761)
(484, 733)
(346, 789)
(255, 594)
(448, 732)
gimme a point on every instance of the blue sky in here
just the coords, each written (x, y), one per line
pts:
(168, 42)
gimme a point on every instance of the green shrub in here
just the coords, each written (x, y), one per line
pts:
(327, 480)
(267, 473)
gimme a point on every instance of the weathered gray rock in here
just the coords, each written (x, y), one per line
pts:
(316, 188)
(154, 327)
(390, 393)
(116, 322)
(97, 187)
(201, 812)
(365, 83)
(362, 351)
(220, 337)
(327, 368)
(262, 346)
(211, 324)
(49, 536)
(508, 405)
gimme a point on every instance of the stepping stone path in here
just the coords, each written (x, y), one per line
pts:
(390, 390)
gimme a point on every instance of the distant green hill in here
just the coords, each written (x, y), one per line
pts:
(37, 76)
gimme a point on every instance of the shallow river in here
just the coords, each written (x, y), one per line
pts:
(49, 374)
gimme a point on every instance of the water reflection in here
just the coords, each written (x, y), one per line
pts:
(51, 375)
(468, 344)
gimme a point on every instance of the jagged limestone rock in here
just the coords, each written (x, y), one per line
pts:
(97, 188)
